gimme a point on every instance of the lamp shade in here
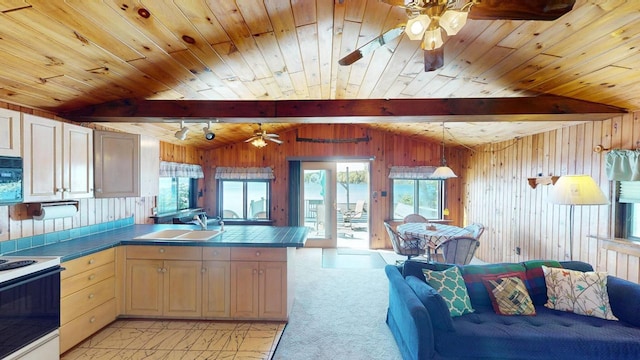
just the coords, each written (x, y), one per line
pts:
(442, 173)
(577, 190)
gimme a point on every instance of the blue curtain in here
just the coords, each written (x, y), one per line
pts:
(623, 165)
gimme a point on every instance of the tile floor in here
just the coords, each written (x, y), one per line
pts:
(179, 339)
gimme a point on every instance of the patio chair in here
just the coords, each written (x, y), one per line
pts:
(402, 246)
(415, 218)
(476, 229)
(458, 250)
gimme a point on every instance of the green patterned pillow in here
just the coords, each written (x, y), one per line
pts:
(450, 285)
(583, 293)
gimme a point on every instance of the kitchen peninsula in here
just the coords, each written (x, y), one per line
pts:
(244, 273)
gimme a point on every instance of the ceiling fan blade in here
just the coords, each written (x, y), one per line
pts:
(252, 138)
(520, 10)
(371, 45)
(279, 142)
(433, 59)
(272, 135)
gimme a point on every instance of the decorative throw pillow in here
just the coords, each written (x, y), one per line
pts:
(509, 295)
(583, 293)
(450, 285)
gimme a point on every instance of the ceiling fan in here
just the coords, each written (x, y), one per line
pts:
(259, 137)
(427, 19)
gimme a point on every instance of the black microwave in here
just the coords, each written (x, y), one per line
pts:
(11, 180)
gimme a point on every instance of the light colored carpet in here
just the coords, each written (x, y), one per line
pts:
(337, 314)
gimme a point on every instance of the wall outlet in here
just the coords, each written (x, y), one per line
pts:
(517, 250)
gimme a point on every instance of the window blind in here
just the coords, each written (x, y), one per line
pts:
(244, 173)
(412, 172)
(629, 192)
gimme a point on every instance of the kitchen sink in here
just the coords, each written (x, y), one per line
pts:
(180, 235)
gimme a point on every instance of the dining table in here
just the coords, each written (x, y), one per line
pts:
(430, 235)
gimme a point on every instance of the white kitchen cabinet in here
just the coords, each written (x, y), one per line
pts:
(126, 165)
(58, 160)
(10, 133)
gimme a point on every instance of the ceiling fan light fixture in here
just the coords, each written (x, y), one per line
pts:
(416, 27)
(259, 143)
(453, 20)
(432, 39)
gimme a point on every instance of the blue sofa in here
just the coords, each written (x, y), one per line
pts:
(424, 329)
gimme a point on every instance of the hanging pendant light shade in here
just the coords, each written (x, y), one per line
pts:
(443, 172)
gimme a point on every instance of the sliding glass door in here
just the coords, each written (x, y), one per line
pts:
(317, 207)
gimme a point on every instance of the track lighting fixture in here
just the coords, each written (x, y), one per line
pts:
(208, 134)
(182, 133)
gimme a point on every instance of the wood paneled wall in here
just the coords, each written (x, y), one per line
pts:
(387, 150)
(495, 193)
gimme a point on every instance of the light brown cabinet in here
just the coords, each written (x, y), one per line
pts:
(259, 283)
(58, 160)
(164, 281)
(216, 287)
(10, 133)
(87, 297)
(126, 165)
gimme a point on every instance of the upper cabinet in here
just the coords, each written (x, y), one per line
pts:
(10, 133)
(126, 165)
(58, 160)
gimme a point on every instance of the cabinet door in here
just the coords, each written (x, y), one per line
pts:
(144, 287)
(273, 290)
(117, 164)
(182, 288)
(77, 160)
(244, 289)
(42, 153)
(216, 288)
(10, 134)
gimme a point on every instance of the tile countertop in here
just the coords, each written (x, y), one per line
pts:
(234, 236)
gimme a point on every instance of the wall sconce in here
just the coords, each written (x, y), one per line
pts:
(182, 133)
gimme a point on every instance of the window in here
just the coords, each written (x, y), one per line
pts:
(422, 197)
(628, 210)
(176, 193)
(244, 199)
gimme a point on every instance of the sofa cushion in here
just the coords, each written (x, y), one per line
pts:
(450, 284)
(472, 275)
(535, 279)
(433, 301)
(414, 267)
(548, 335)
(509, 295)
(583, 293)
(624, 298)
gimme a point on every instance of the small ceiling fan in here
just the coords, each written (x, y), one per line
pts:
(259, 137)
(427, 19)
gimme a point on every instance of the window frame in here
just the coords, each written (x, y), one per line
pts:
(245, 206)
(416, 198)
(193, 195)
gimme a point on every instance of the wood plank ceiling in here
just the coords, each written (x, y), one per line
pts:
(72, 55)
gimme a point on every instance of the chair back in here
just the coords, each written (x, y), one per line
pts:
(476, 229)
(459, 250)
(415, 218)
(401, 246)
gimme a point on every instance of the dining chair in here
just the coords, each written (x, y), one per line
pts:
(415, 218)
(402, 246)
(458, 250)
(476, 229)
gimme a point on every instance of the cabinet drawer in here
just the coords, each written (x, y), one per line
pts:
(85, 325)
(216, 253)
(164, 252)
(76, 266)
(84, 300)
(87, 278)
(258, 254)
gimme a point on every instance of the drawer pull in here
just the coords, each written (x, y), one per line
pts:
(159, 269)
(92, 261)
(92, 276)
(255, 271)
(164, 270)
(161, 250)
(257, 253)
(91, 296)
(261, 272)
(203, 270)
(93, 319)
(215, 253)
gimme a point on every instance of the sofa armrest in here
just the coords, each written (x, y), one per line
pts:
(623, 297)
(408, 319)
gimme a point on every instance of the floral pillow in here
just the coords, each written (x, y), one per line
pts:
(583, 293)
(450, 285)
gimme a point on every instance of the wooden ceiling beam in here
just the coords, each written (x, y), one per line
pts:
(540, 108)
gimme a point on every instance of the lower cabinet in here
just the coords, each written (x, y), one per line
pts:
(87, 297)
(164, 281)
(259, 288)
(216, 287)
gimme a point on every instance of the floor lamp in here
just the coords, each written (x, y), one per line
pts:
(575, 190)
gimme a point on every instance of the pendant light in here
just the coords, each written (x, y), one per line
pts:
(443, 172)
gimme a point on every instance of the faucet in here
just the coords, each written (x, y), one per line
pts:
(202, 221)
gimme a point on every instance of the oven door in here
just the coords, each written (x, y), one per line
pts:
(29, 309)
